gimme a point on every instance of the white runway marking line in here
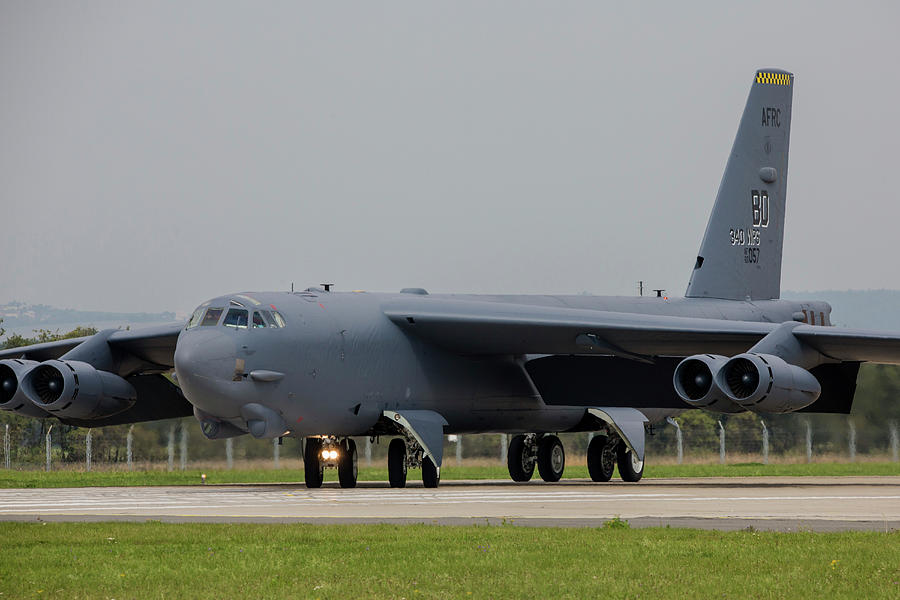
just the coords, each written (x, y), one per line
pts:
(199, 500)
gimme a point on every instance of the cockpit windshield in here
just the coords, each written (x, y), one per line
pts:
(237, 318)
(211, 317)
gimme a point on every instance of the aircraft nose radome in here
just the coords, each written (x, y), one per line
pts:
(205, 365)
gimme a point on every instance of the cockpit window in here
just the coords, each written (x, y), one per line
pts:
(258, 321)
(272, 318)
(195, 318)
(211, 317)
(236, 317)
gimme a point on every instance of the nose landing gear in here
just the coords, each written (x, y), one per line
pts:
(330, 452)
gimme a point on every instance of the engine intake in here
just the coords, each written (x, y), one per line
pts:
(695, 383)
(75, 389)
(767, 383)
(12, 398)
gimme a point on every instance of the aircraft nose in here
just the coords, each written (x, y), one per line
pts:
(205, 364)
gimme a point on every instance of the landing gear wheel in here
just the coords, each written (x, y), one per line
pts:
(347, 467)
(551, 458)
(518, 459)
(313, 469)
(601, 458)
(431, 477)
(630, 468)
(397, 463)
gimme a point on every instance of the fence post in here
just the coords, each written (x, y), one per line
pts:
(503, 445)
(275, 452)
(47, 448)
(895, 442)
(808, 440)
(87, 449)
(6, 447)
(458, 449)
(171, 447)
(765, 442)
(129, 448)
(183, 447)
(229, 453)
(368, 452)
(678, 438)
(851, 439)
(721, 443)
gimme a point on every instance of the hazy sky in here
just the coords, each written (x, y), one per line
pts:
(156, 154)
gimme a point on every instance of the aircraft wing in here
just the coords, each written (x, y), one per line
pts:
(140, 356)
(474, 327)
(846, 344)
(153, 345)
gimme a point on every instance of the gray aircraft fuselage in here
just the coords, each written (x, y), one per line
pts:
(339, 362)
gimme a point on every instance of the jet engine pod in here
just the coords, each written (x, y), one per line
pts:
(695, 383)
(12, 371)
(75, 389)
(767, 383)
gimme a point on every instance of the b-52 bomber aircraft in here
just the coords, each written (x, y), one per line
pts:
(327, 366)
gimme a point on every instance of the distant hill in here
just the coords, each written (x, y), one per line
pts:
(866, 309)
(22, 318)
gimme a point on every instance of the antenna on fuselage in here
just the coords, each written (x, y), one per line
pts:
(640, 288)
(292, 287)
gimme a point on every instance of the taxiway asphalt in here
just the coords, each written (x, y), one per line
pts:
(768, 503)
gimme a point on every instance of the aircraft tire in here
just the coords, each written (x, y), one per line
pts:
(551, 460)
(601, 461)
(630, 469)
(313, 469)
(431, 477)
(519, 469)
(397, 463)
(348, 467)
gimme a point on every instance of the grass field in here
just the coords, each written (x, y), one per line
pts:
(76, 478)
(157, 560)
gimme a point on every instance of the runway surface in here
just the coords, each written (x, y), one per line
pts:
(778, 503)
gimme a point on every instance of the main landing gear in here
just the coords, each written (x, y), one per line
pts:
(605, 452)
(329, 452)
(526, 451)
(405, 454)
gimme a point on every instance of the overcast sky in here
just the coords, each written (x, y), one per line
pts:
(153, 154)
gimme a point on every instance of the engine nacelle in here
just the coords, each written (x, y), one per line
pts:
(767, 383)
(75, 389)
(695, 383)
(12, 371)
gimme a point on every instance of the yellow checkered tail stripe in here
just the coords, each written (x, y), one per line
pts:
(773, 78)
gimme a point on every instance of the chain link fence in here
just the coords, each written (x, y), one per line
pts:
(693, 437)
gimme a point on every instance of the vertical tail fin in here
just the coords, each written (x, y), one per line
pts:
(740, 257)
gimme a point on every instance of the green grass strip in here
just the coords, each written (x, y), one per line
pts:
(68, 478)
(157, 560)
